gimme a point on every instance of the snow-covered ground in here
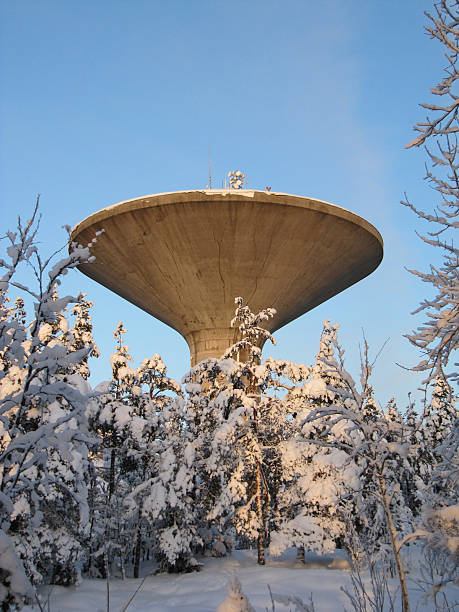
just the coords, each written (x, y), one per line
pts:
(204, 591)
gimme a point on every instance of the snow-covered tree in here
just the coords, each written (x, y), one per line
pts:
(380, 447)
(238, 422)
(441, 414)
(164, 496)
(430, 431)
(229, 391)
(438, 337)
(314, 477)
(81, 334)
(168, 496)
(43, 431)
(109, 418)
(145, 468)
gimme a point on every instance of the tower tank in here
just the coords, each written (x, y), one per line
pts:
(184, 256)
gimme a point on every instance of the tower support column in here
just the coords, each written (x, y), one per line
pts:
(205, 343)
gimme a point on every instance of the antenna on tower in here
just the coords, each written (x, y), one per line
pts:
(210, 172)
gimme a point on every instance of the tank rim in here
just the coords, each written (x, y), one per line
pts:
(210, 195)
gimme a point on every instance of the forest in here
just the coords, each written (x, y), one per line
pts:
(259, 453)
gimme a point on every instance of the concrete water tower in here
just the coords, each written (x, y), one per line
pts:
(184, 256)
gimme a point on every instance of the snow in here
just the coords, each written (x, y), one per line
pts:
(122, 416)
(103, 387)
(228, 366)
(206, 590)
(13, 578)
(449, 513)
(45, 332)
(236, 600)
(248, 193)
(21, 507)
(137, 426)
(193, 388)
(189, 454)
(315, 387)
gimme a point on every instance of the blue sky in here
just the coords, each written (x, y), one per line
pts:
(109, 100)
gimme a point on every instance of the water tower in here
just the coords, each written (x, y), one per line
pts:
(184, 256)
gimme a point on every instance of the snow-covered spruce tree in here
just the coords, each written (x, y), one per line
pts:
(108, 417)
(430, 432)
(237, 427)
(168, 497)
(43, 431)
(314, 477)
(438, 337)
(438, 492)
(142, 502)
(81, 335)
(164, 497)
(440, 416)
(416, 481)
(380, 446)
(203, 385)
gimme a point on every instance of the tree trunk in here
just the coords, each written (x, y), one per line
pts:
(258, 491)
(261, 522)
(107, 578)
(395, 547)
(111, 481)
(138, 545)
(92, 511)
(121, 548)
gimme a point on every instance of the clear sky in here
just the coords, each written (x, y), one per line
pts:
(109, 100)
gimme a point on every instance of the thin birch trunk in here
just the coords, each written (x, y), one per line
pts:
(261, 522)
(258, 492)
(138, 545)
(107, 577)
(111, 481)
(395, 546)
